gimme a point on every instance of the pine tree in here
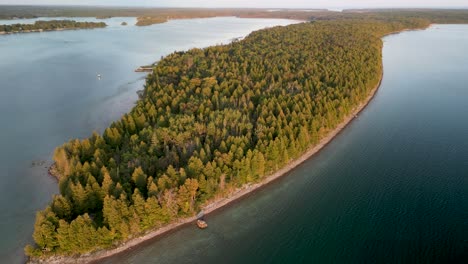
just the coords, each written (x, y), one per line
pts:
(140, 179)
(61, 207)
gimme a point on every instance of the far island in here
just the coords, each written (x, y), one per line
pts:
(53, 25)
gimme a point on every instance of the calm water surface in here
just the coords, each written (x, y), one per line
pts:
(392, 188)
(50, 93)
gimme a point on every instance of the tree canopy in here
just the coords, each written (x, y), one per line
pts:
(49, 26)
(209, 121)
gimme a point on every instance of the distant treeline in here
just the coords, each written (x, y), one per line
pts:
(148, 16)
(49, 26)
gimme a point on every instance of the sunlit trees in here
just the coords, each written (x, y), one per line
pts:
(49, 25)
(209, 121)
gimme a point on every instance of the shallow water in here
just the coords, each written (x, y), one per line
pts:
(50, 93)
(391, 188)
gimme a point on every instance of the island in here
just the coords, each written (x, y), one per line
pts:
(212, 125)
(52, 25)
(147, 21)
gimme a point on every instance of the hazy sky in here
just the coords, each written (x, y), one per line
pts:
(251, 3)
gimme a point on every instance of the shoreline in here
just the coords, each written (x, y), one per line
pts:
(239, 193)
(43, 30)
(250, 188)
(220, 202)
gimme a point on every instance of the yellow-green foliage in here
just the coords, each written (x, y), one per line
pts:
(50, 25)
(210, 120)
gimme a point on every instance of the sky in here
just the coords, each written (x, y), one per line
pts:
(251, 3)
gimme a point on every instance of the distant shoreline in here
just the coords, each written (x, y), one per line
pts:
(40, 30)
(219, 203)
(48, 25)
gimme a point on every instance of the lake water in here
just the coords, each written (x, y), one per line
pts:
(391, 188)
(50, 93)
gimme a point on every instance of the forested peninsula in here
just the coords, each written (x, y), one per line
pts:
(211, 122)
(52, 25)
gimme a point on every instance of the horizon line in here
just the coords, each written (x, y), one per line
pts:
(238, 7)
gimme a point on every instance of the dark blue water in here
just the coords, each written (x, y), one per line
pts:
(392, 188)
(50, 93)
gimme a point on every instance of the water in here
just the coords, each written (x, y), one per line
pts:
(392, 188)
(50, 93)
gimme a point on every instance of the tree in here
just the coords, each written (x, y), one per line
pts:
(61, 161)
(139, 179)
(152, 188)
(61, 207)
(45, 234)
(168, 201)
(187, 195)
(107, 184)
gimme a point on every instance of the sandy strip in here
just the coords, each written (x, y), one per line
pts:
(239, 193)
(217, 203)
(294, 163)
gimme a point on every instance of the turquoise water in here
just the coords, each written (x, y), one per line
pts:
(391, 188)
(50, 93)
